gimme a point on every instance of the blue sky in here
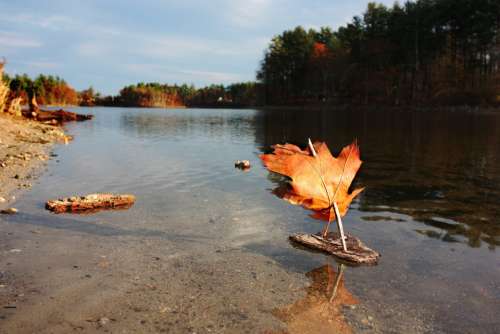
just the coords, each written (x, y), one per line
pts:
(112, 43)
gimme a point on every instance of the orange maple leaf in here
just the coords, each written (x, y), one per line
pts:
(316, 182)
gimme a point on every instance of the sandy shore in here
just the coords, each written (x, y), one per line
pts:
(24, 148)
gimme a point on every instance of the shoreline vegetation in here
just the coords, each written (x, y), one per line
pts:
(424, 53)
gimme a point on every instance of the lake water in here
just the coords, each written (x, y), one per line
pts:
(431, 207)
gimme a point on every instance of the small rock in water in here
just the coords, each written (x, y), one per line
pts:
(243, 164)
(2, 200)
(9, 211)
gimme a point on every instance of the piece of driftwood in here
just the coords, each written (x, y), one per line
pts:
(59, 116)
(54, 116)
(357, 251)
(90, 203)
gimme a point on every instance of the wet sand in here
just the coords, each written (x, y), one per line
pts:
(59, 281)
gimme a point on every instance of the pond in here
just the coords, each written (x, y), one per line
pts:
(205, 248)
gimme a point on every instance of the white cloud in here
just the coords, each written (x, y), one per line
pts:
(58, 23)
(155, 72)
(181, 46)
(170, 47)
(42, 65)
(53, 22)
(93, 49)
(247, 13)
(15, 40)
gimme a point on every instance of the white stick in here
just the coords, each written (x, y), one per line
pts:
(339, 225)
(311, 147)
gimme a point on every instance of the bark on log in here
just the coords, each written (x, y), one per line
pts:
(90, 203)
(357, 251)
(60, 116)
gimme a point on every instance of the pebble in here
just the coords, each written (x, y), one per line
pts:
(103, 321)
(2, 200)
(15, 250)
(9, 211)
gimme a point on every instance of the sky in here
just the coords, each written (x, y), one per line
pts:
(108, 44)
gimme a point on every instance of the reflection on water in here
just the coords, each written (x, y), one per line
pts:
(442, 169)
(321, 310)
(193, 123)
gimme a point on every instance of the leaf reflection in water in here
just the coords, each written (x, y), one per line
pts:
(320, 311)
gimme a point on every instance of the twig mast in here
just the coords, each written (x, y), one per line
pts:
(332, 203)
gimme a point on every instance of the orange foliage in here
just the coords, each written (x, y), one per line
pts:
(320, 50)
(316, 181)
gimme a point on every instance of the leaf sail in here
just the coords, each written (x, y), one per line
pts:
(315, 182)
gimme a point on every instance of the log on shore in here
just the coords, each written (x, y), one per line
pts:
(59, 116)
(357, 251)
(90, 203)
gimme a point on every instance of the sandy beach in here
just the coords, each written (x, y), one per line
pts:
(24, 149)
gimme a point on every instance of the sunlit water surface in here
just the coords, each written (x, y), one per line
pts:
(431, 203)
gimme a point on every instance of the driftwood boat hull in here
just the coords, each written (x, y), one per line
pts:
(90, 203)
(357, 251)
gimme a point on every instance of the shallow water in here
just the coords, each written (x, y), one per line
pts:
(430, 206)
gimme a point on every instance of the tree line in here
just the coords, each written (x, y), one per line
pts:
(52, 90)
(424, 51)
(154, 94)
(48, 89)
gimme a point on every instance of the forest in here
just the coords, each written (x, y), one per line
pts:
(432, 52)
(48, 89)
(154, 94)
(52, 90)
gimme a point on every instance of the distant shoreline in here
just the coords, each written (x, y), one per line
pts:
(315, 107)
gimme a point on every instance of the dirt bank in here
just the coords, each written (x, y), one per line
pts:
(24, 149)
